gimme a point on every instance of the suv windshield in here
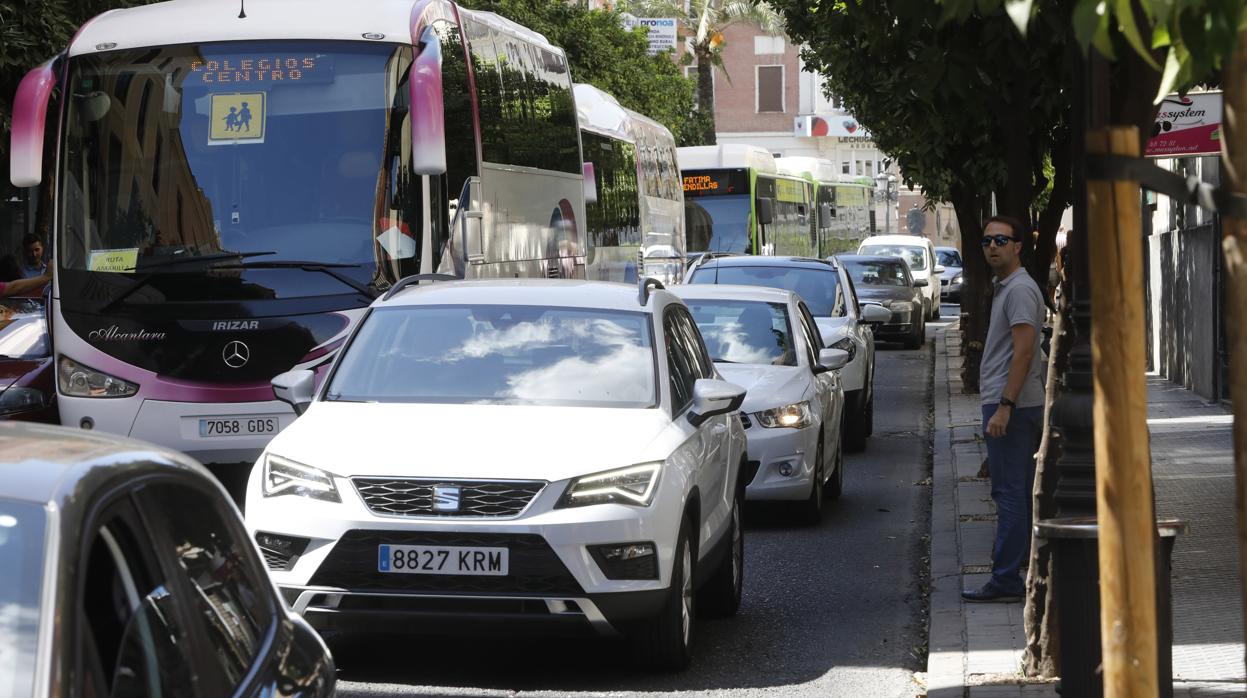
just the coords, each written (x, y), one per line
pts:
(22, 527)
(948, 258)
(187, 160)
(505, 354)
(819, 288)
(745, 332)
(914, 255)
(878, 273)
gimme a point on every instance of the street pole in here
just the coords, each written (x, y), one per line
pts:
(1127, 521)
(1234, 244)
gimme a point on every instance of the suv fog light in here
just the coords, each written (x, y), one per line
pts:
(786, 468)
(626, 560)
(280, 552)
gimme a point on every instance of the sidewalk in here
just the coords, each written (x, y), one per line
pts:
(976, 650)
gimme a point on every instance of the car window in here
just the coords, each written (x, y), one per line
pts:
(745, 332)
(680, 363)
(694, 343)
(133, 642)
(24, 328)
(22, 542)
(509, 354)
(914, 255)
(819, 288)
(811, 331)
(231, 597)
(948, 258)
(879, 273)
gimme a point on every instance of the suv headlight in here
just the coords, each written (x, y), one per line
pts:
(283, 476)
(795, 416)
(633, 485)
(848, 345)
(957, 279)
(77, 380)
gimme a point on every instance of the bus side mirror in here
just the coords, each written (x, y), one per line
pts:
(591, 183)
(428, 120)
(766, 211)
(825, 215)
(30, 113)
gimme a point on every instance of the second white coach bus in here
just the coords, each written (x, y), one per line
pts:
(635, 215)
(233, 185)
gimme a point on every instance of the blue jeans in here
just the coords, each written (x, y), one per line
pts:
(1011, 461)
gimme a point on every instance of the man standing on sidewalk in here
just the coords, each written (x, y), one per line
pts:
(1012, 396)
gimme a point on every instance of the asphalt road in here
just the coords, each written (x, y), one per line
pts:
(836, 610)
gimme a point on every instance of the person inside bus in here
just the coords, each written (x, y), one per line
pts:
(33, 264)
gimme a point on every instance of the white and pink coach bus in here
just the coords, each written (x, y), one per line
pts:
(234, 183)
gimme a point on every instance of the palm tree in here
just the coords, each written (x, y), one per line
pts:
(705, 21)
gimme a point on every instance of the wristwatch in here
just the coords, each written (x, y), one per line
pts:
(1007, 402)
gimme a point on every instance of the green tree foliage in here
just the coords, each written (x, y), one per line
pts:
(704, 22)
(604, 54)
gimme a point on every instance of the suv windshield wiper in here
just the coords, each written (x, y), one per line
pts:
(322, 267)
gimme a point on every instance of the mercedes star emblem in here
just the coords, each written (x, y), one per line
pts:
(236, 354)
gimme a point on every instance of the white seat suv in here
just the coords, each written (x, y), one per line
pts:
(522, 456)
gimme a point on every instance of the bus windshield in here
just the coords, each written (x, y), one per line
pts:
(182, 160)
(718, 223)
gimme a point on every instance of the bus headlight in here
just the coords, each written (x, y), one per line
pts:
(76, 380)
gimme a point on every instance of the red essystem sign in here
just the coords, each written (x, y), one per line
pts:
(1187, 125)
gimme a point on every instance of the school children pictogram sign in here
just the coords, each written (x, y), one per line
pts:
(237, 118)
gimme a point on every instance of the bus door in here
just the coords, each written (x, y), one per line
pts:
(764, 215)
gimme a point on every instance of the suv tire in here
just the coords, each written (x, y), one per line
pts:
(720, 597)
(664, 642)
(855, 427)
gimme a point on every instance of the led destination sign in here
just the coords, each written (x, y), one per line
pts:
(243, 69)
(715, 182)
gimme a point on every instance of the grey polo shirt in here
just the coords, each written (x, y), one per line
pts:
(1017, 301)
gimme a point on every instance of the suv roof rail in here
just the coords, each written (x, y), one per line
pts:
(645, 285)
(415, 279)
(704, 257)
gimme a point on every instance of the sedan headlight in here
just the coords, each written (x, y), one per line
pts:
(77, 380)
(16, 400)
(633, 485)
(795, 416)
(848, 345)
(957, 279)
(283, 476)
(902, 307)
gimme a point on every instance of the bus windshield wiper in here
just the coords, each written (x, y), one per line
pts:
(322, 267)
(141, 281)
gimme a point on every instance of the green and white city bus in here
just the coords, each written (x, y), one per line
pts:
(735, 200)
(842, 208)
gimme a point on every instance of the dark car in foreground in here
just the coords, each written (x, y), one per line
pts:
(126, 571)
(27, 383)
(950, 280)
(887, 281)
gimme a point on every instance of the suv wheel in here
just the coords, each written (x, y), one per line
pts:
(918, 336)
(721, 595)
(854, 428)
(835, 488)
(664, 642)
(811, 513)
(935, 312)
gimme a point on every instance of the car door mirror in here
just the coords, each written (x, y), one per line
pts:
(831, 360)
(920, 283)
(826, 215)
(712, 397)
(428, 119)
(295, 388)
(937, 270)
(766, 211)
(591, 183)
(875, 314)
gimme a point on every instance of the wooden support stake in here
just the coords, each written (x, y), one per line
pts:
(1123, 462)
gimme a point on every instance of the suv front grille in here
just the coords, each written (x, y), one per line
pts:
(414, 497)
(534, 568)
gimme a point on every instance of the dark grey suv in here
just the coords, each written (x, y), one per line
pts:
(125, 570)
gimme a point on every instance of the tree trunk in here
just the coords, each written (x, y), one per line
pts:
(1234, 244)
(705, 92)
(1050, 218)
(976, 284)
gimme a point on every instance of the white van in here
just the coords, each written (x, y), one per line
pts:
(919, 253)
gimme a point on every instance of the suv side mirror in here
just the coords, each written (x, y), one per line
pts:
(937, 269)
(296, 388)
(875, 314)
(831, 359)
(766, 211)
(712, 397)
(920, 283)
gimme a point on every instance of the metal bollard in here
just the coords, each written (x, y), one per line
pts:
(1076, 583)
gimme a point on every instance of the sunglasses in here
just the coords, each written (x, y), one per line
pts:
(999, 240)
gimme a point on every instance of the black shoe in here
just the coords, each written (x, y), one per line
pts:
(989, 593)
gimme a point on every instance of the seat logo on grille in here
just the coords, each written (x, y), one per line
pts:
(446, 498)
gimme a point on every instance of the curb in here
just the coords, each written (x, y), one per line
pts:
(946, 639)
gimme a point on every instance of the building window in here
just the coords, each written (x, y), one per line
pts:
(844, 167)
(870, 169)
(768, 45)
(859, 168)
(770, 88)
